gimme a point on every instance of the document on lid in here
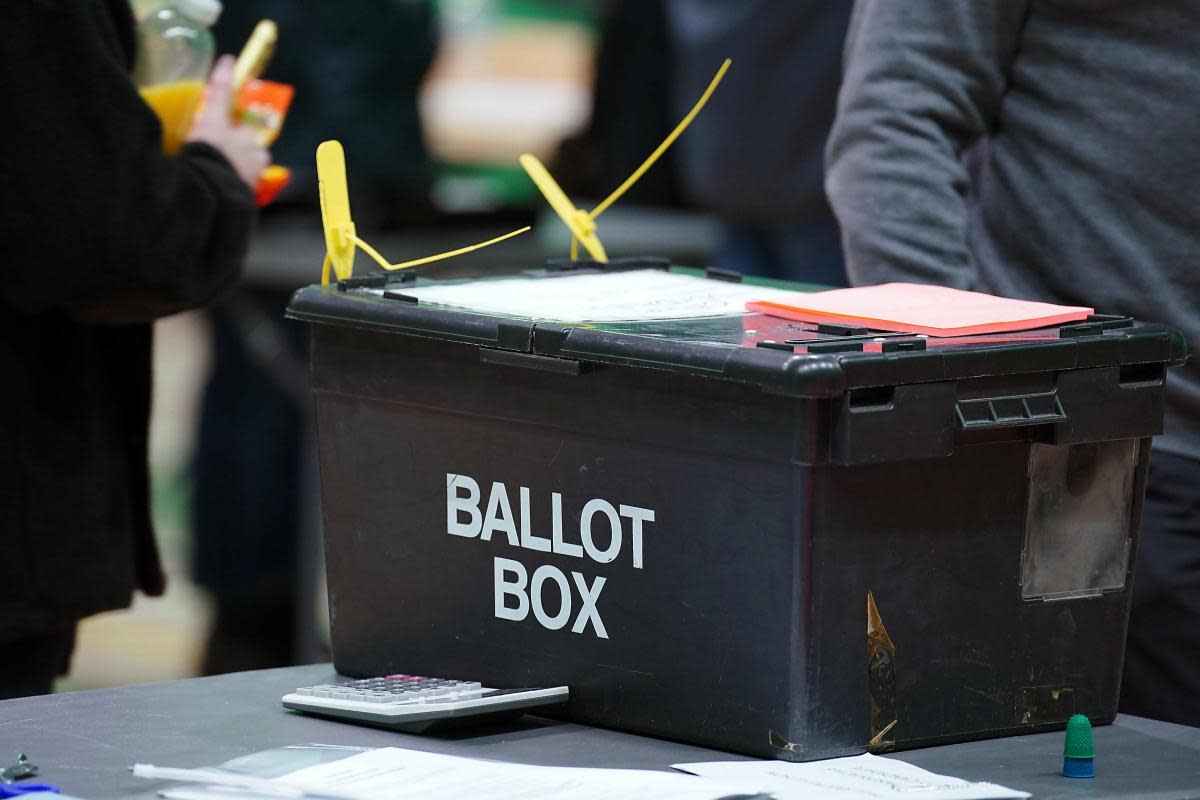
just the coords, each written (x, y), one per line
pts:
(864, 777)
(642, 294)
(918, 308)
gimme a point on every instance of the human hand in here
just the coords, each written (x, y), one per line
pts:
(212, 126)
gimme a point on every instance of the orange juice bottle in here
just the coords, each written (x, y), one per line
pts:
(175, 54)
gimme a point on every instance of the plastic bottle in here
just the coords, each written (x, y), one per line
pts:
(175, 54)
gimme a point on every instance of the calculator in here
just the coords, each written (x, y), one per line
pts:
(418, 703)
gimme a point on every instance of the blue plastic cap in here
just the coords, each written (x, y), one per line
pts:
(23, 789)
(1079, 767)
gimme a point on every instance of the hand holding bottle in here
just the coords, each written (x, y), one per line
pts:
(212, 126)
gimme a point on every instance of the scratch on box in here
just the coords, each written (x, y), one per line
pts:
(881, 666)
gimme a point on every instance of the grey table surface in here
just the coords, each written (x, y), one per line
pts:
(85, 741)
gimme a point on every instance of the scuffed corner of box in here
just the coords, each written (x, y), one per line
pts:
(780, 743)
(1040, 705)
(881, 671)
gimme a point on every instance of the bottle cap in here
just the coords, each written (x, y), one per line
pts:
(205, 12)
(1078, 750)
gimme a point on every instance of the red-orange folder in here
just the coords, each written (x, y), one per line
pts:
(920, 308)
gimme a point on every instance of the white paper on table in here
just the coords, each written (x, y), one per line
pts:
(864, 777)
(641, 294)
(212, 793)
(391, 773)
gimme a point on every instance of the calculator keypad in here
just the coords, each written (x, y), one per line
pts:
(397, 689)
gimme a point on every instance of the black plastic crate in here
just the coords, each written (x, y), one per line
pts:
(742, 532)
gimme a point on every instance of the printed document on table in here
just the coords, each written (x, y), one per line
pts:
(643, 294)
(390, 773)
(864, 777)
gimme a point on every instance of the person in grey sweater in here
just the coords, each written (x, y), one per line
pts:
(1048, 151)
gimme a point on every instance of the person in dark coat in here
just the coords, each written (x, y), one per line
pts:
(100, 234)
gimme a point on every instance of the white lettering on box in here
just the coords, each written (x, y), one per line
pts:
(528, 540)
(516, 591)
(638, 516)
(455, 504)
(560, 546)
(585, 530)
(505, 589)
(538, 598)
(588, 611)
(499, 516)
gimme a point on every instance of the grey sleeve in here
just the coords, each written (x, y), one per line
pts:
(923, 81)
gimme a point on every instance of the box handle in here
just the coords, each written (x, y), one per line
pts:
(986, 413)
(510, 358)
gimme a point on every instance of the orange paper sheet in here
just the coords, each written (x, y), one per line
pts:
(919, 308)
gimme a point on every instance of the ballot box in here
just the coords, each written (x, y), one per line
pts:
(772, 537)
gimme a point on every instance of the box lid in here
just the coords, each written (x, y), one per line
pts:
(781, 356)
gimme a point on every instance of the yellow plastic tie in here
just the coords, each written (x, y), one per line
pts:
(416, 262)
(667, 142)
(578, 222)
(582, 224)
(335, 210)
(341, 240)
